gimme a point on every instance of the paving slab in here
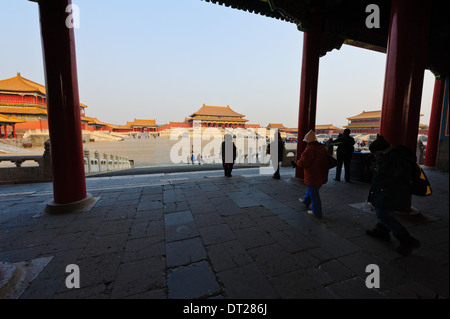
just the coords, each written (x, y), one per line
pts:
(199, 235)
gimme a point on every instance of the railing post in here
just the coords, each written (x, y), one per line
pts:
(112, 162)
(97, 157)
(87, 157)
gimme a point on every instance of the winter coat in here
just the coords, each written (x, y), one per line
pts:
(222, 153)
(281, 148)
(314, 161)
(392, 178)
(344, 146)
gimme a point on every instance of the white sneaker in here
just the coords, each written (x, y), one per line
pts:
(303, 204)
(310, 212)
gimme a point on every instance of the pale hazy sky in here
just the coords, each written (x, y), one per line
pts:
(162, 60)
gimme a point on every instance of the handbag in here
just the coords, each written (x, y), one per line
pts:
(420, 184)
(332, 162)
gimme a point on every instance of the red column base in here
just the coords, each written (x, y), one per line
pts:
(83, 205)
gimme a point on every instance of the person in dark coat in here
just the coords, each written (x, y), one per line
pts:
(229, 153)
(314, 161)
(344, 154)
(279, 145)
(393, 173)
(329, 146)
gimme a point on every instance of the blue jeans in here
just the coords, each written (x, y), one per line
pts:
(387, 218)
(313, 198)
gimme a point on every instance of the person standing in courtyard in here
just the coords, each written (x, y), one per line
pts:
(394, 171)
(314, 161)
(278, 145)
(344, 154)
(229, 153)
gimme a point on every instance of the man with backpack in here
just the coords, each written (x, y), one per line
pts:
(394, 173)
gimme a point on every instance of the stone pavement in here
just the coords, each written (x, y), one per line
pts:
(201, 235)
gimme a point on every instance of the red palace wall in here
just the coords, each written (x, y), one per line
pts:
(31, 125)
(18, 99)
(173, 125)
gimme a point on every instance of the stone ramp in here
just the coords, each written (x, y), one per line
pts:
(9, 149)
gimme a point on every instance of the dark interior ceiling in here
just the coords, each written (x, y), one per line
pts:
(343, 22)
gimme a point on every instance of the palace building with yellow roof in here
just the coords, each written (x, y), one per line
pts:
(368, 122)
(217, 116)
(24, 105)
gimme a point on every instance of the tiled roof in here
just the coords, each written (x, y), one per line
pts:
(276, 125)
(22, 110)
(218, 119)
(10, 120)
(119, 127)
(92, 121)
(20, 84)
(216, 111)
(363, 125)
(140, 122)
(366, 115)
(326, 127)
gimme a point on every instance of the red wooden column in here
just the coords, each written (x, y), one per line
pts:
(308, 85)
(406, 57)
(14, 131)
(63, 103)
(435, 123)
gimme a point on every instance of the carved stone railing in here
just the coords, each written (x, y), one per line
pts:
(43, 171)
(20, 174)
(106, 163)
(288, 156)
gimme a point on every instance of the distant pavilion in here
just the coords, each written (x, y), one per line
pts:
(326, 129)
(369, 123)
(280, 127)
(138, 125)
(217, 116)
(141, 125)
(319, 129)
(6, 121)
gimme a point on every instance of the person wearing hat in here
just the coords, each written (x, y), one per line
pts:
(314, 161)
(391, 191)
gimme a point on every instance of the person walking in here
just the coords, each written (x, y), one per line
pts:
(314, 161)
(393, 173)
(344, 153)
(279, 146)
(229, 153)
